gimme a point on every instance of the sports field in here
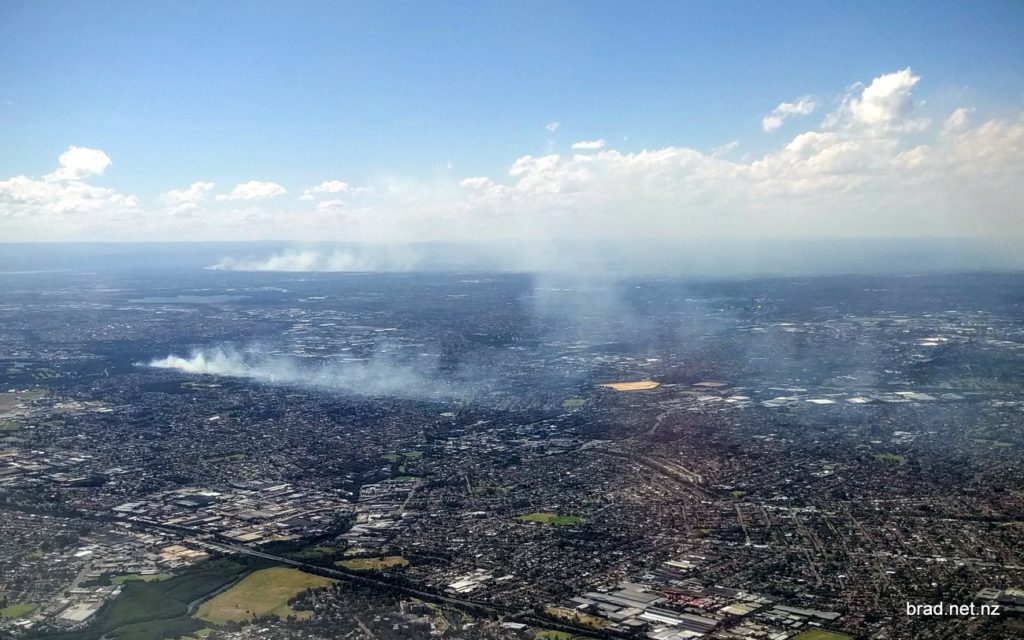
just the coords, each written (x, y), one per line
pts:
(821, 634)
(550, 518)
(640, 385)
(136, 577)
(17, 610)
(260, 593)
(373, 564)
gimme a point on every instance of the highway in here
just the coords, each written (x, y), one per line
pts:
(525, 616)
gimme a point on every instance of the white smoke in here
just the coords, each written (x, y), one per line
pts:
(213, 362)
(299, 260)
(377, 376)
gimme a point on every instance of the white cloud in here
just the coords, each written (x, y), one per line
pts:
(253, 190)
(886, 103)
(61, 204)
(552, 126)
(80, 162)
(728, 147)
(336, 204)
(588, 145)
(23, 197)
(957, 121)
(802, 107)
(870, 169)
(185, 200)
(861, 174)
(478, 182)
(328, 186)
(332, 186)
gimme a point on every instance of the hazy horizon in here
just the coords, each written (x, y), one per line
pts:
(729, 260)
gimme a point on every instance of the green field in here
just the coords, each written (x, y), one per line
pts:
(573, 403)
(995, 443)
(403, 455)
(264, 592)
(17, 610)
(158, 610)
(890, 457)
(314, 553)
(553, 519)
(230, 457)
(373, 564)
(575, 617)
(135, 577)
(551, 634)
(821, 634)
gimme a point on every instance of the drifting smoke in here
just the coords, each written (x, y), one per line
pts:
(377, 376)
(296, 260)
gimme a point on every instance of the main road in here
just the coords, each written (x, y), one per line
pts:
(525, 616)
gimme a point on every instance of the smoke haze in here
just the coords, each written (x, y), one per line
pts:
(377, 376)
(302, 260)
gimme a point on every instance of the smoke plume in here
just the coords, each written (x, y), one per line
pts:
(301, 260)
(379, 375)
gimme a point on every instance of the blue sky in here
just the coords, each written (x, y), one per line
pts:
(303, 92)
(299, 90)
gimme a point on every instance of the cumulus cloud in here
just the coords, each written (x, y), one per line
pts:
(886, 104)
(802, 107)
(62, 202)
(477, 182)
(957, 121)
(870, 168)
(552, 126)
(327, 206)
(588, 145)
(339, 260)
(328, 186)
(728, 147)
(180, 201)
(859, 174)
(25, 197)
(80, 162)
(253, 190)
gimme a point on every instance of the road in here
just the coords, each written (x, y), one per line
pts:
(525, 616)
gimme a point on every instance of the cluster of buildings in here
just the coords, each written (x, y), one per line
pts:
(249, 513)
(797, 465)
(380, 511)
(75, 570)
(672, 603)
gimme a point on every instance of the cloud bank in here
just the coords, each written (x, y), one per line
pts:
(876, 166)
